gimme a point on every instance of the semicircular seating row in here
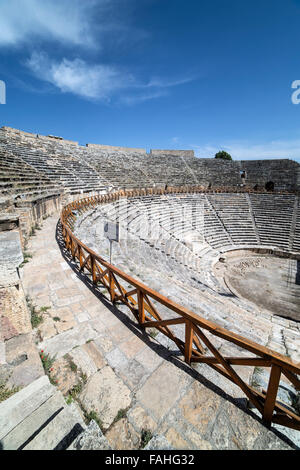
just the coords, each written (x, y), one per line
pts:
(156, 246)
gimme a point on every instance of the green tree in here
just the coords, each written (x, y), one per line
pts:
(224, 155)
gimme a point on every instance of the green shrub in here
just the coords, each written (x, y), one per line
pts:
(223, 155)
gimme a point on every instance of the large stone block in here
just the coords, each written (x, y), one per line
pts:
(105, 394)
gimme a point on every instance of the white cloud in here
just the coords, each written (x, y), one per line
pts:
(76, 76)
(23, 21)
(247, 151)
(63, 26)
(141, 97)
(154, 88)
(95, 81)
(163, 83)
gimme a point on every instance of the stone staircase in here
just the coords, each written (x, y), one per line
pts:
(38, 418)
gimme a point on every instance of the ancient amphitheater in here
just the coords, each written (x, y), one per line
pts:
(185, 336)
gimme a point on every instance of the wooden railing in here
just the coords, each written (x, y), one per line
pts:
(139, 299)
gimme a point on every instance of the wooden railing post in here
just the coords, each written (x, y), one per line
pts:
(73, 249)
(189, 334)
(141, 306)
(111, 286)
(93, 270)
(271, 393)
(80, 257)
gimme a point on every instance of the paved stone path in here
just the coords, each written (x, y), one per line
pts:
(133, 381)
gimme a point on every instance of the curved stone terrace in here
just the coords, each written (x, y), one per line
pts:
(132, 381)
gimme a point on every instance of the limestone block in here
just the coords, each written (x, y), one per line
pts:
(105, 394)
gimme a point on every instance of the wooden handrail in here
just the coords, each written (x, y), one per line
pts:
(192, 348)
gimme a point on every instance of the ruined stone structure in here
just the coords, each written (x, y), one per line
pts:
(78, 169)
(199, 232)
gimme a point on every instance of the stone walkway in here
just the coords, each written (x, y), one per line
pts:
(133, 382)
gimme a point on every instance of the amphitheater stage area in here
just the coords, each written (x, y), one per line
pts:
(270, 282)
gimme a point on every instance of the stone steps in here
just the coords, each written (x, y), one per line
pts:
(38, 418)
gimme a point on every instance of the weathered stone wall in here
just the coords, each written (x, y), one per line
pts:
(110, 148)
(32, 212)
(177, 153)
(284, 173)
(213, 173)
(17, 131)
(61, 140)
(38, 136)
(14, 315)
(6, 204)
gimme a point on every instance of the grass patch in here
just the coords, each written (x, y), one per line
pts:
(153, 333)
(56, 319)
(69, 399)
(34, 229)
(44, 309)
(146, 436)
(27, 256)
(77, 389)
(92, 415)
(121, 414)
(73, 366)
(35, 318)
(5, 392)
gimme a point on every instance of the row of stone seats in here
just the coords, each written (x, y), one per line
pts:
(66, 171)
(19, 179)
(273, 215)
(191, 229)
(234, 212)
(172, 251)
(186, 217)
(128, 169)
(296, 240)
(220, 220)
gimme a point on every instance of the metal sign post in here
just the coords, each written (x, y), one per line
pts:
(110, 250)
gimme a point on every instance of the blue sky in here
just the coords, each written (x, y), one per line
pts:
(193, 74)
